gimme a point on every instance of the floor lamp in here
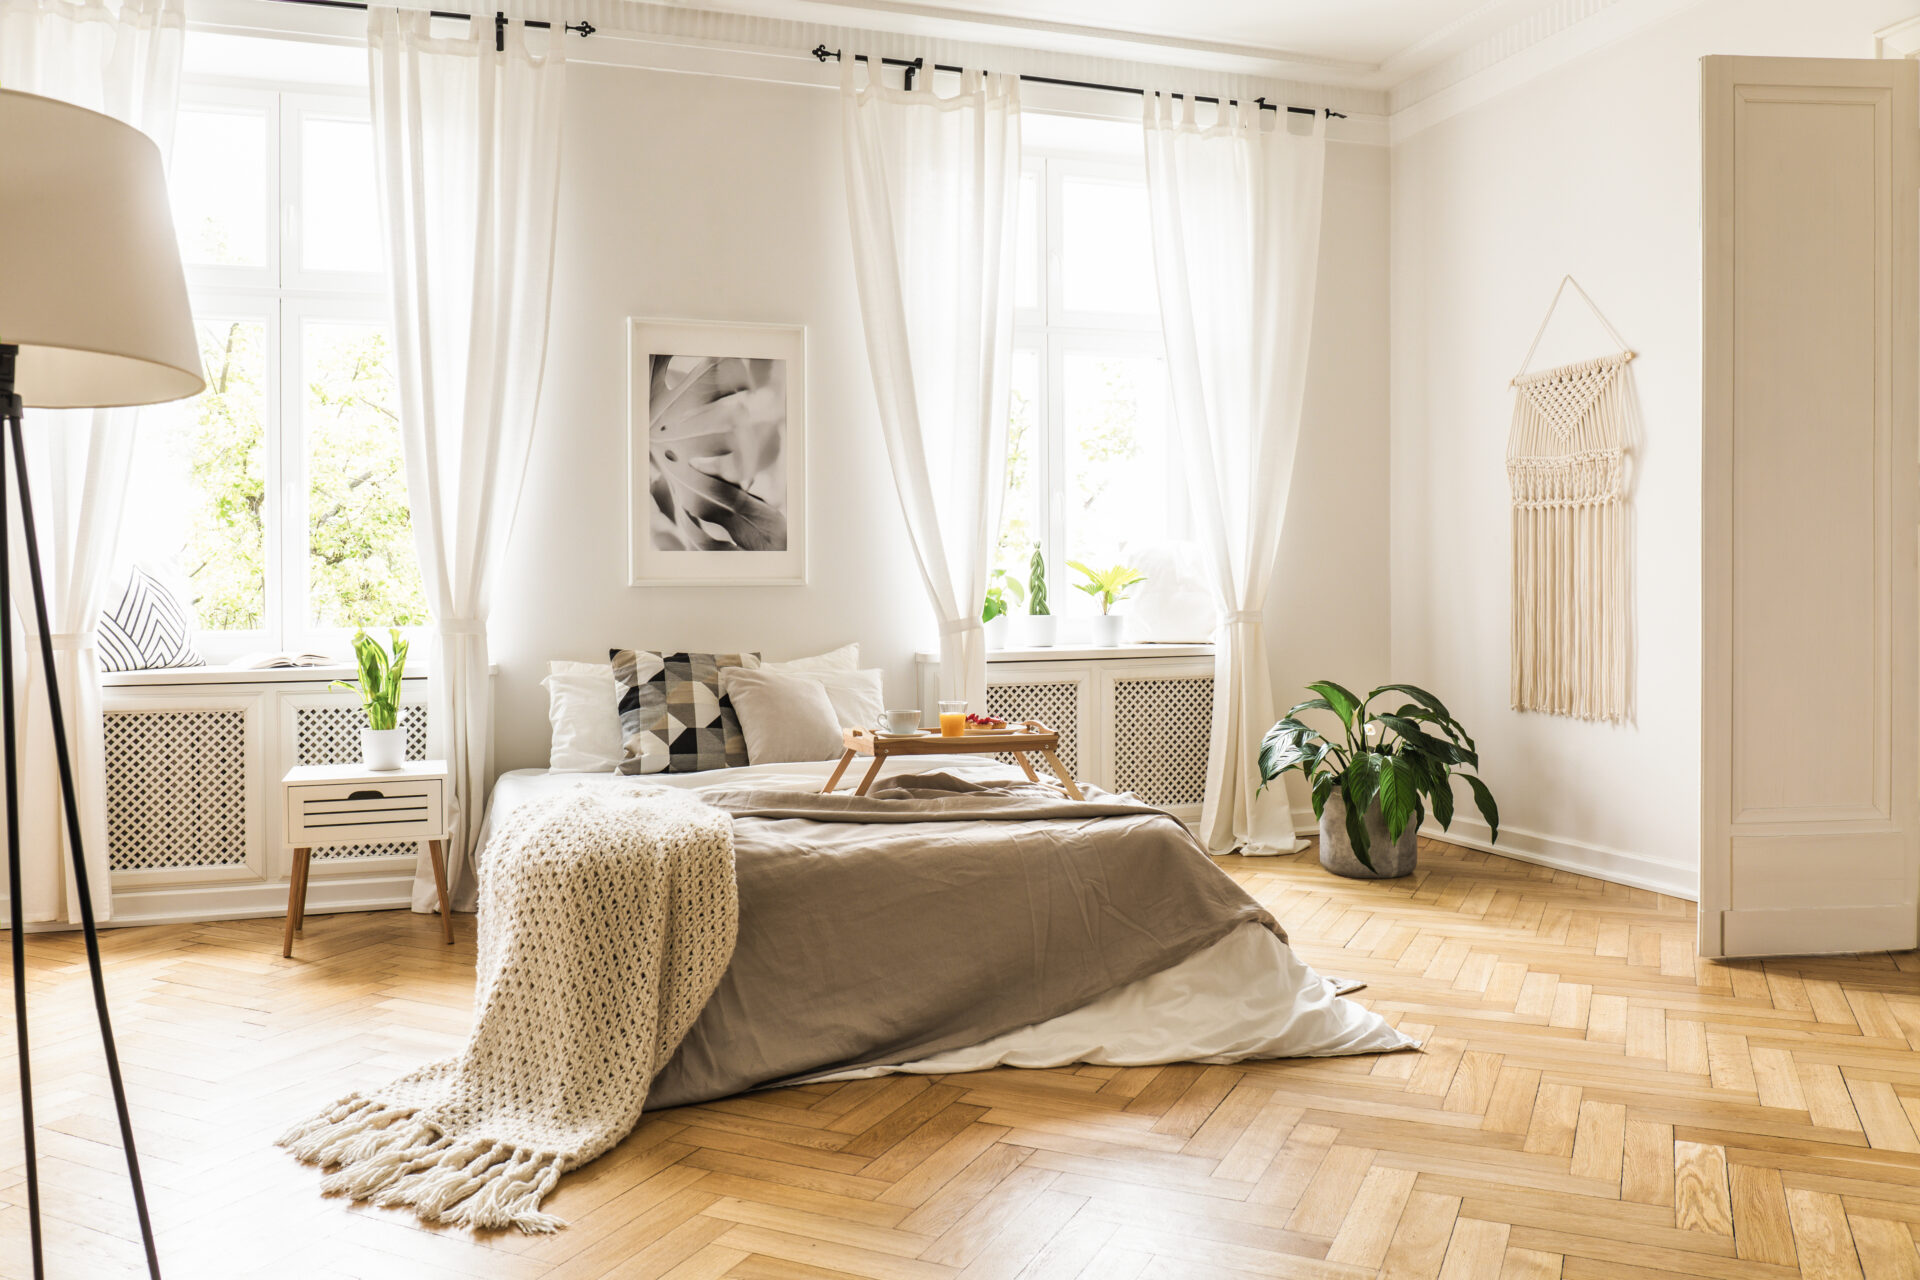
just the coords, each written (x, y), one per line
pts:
(93, 314)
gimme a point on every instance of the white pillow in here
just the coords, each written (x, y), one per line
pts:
(584, 709)
(845, 658)
(858, 697)
(783, 716)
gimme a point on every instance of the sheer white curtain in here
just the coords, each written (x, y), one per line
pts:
(933, 188)
(122, 60)
(1236, 242)
(468, 147)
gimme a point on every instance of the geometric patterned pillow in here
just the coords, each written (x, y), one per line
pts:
(673, 717)
(146, 628)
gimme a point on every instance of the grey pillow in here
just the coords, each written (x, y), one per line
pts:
(785, 718)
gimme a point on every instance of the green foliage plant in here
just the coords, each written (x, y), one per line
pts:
(1004, 595)
(379, 683)
(1108, 586)
(1391, 758)
(1037, 584)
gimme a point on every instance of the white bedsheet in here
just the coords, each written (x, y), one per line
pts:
(1247, 996)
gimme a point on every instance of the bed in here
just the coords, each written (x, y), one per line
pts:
(958, 920)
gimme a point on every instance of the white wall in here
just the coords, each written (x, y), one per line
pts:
(1594, 170)
(709, 198)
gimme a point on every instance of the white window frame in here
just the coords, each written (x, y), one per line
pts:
(286, 296)
(1051, 331)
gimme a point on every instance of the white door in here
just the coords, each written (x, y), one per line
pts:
(1810, 795)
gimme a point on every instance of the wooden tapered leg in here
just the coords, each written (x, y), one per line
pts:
(296, 898)
(872, 772)
(1020, 758)
(436, 853)
(833, 780)
(1066, 779)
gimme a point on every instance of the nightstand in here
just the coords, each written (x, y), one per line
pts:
(335, 804)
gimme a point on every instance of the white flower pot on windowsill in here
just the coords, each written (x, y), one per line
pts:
(383, 749)
(1108, 630)
(1039, 630)
(997, 630)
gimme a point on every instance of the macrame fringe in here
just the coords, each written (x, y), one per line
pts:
(383, 1154)
(1566, 464)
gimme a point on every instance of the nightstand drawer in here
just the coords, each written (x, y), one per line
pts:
(350, 812)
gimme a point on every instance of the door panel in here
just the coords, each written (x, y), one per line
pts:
(1811, 805)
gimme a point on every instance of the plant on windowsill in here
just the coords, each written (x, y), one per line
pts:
(1367, 789)
(383, 743)
(1004, 595)
(1040, 623)
(1109, 587)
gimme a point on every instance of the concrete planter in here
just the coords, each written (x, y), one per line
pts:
(1391, 859)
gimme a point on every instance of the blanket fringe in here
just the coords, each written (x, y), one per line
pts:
(387, 1155)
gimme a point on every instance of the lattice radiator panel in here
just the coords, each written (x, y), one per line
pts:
(331, 735)
(1161, 728)
(176, 789)
(1054, 703)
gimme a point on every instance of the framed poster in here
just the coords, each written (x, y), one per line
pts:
(716, 451)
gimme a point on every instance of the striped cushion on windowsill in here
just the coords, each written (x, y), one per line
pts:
(146, 628)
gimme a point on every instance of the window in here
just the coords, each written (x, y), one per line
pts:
(277, 498)
(1090, 471)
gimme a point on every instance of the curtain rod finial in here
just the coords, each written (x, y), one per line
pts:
(823, 53)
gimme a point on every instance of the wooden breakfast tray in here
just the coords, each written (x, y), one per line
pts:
(1031, 736)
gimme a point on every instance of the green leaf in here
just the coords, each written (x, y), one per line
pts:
(1340, 701)
(1322, 787)
(1287, 746)
(1399, 795)
(1311, 704)
(1488, 809)
(1441, 793)
(1362, 781)
(1418, 694)
(1420, 740)
(1357, 829)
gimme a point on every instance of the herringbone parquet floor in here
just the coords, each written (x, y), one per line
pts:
(1592, 1101)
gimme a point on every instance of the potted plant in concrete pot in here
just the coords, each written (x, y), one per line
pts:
(1004, 595)
(1369, 787)
(383, 743)
(1040, 622)
(1109, 587)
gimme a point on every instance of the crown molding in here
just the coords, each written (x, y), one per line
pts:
(1553, 35)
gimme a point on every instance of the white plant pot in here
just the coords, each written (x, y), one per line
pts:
(1041, 630)
(383, 749)
(997, 631)
(1109, 630)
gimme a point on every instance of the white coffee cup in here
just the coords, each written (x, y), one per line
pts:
(901, 721)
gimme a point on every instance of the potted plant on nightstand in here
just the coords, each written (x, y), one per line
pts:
(383, 743)
(1368, 788)
(1109, 587)
(1040, 623)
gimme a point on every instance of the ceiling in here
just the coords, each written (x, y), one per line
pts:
(1368, 43)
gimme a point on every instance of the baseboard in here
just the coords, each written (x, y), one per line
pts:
(325, 896)
(1552, 851)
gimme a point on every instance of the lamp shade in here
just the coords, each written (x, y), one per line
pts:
(91, 288)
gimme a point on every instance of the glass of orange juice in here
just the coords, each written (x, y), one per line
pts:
(953, 719)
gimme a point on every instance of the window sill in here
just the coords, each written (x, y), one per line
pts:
(1089, 653)
(235, 675)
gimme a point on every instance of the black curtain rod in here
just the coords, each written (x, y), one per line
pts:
(500, 20)
(915, 65)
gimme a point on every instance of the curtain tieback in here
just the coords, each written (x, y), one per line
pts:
(462, 627)
(960, 626)
(1246, 615)
(70, 639)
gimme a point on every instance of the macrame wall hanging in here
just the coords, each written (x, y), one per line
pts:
(1567, 464)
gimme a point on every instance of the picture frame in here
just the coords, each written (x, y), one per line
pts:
(716, 453)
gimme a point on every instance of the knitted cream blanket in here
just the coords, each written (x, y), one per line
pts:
(606, 920)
